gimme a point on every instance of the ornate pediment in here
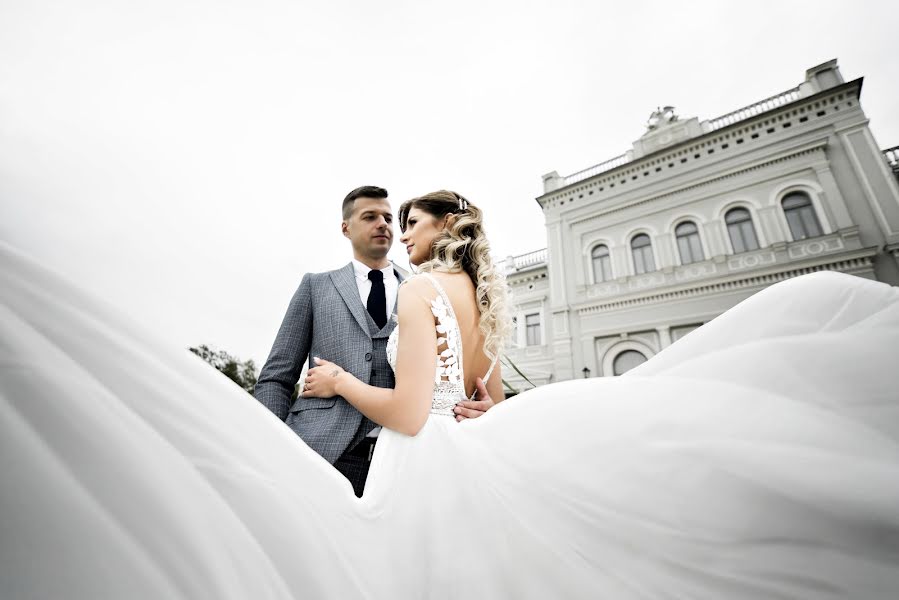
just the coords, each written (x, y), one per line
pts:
(660, 118)
(665, 128)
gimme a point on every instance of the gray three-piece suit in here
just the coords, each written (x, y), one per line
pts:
(326, 318)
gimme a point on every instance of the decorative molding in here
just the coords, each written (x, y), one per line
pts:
(815, 247)
(611, 353)
(695, 271)
(861, 261)
(739, 262)
(817, 146)
(626, 169)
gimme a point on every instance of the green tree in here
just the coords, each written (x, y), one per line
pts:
(243, 373)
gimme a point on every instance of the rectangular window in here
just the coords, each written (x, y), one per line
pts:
(532, 329)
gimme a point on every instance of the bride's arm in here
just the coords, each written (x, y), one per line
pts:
(404, 408)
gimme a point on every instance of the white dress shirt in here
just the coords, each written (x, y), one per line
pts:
(391, 285)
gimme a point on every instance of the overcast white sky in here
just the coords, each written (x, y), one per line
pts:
(186, 159)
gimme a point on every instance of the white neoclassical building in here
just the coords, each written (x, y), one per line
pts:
(697, 216)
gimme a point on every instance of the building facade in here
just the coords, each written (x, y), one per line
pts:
(696, 217)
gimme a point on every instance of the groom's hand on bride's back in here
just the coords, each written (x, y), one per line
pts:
(472, 409)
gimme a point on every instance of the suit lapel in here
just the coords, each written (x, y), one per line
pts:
(345, 281)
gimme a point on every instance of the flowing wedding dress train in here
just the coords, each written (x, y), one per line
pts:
(756, 458)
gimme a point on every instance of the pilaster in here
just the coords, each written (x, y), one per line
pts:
(770, 225)
(832, 200)
(716, 235)
(664, 243)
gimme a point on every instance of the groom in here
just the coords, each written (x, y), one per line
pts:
(343, 316)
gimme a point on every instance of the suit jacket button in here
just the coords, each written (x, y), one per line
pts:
(368, 357)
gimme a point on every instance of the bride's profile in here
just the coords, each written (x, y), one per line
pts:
(756, 458)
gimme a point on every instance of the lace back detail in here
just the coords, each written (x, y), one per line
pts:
(449, 384)
(449, 350)
(449, 381)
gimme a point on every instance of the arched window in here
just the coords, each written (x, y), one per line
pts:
(801, 216)
(740, 230)
(602, 264)
(641, 248)
(626, 361)
(688, 243)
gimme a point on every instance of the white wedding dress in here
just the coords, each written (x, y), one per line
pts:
(756, 458)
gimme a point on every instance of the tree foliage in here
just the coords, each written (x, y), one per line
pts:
(243, 373)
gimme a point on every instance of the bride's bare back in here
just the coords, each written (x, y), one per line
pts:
(461, 293)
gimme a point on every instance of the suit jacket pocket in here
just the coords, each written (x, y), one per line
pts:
(303, 404)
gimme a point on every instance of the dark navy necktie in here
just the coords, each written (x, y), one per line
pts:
(377, 298)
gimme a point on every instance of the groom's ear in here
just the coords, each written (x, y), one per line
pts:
(344, 229)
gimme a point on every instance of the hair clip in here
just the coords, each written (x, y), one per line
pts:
(463, 203)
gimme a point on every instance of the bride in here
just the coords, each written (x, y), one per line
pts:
(756, 458)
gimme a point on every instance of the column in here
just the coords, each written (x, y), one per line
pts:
(664, 337)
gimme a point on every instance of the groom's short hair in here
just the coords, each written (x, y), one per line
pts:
(366, 191)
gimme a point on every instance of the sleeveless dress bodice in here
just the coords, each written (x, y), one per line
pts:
(449, 382)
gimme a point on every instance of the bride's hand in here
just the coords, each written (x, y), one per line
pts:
(321, 380)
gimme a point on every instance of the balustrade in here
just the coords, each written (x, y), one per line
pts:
(754, 109)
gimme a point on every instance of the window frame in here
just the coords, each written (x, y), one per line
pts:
(622, 353)
(528, 326)
(800, 212)
(609, 353)
(751, 223)
(646, 251)
(608, 274)
(690, 238)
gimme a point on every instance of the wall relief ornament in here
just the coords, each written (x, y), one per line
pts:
(661, 117)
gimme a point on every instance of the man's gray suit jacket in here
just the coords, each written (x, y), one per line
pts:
(325, 318)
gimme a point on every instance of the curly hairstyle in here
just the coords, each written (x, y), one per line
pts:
(463, 246)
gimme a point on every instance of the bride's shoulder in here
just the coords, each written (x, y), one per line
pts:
(432, 281)
(453, 282)
(417, 285)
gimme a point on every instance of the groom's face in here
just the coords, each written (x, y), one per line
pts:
(370, 227)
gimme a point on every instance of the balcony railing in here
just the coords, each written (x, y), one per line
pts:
(523, 261)
(754, 109)
(596, 169)
(730, 118)
(892, 156)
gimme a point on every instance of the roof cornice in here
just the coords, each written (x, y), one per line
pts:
(850, 86)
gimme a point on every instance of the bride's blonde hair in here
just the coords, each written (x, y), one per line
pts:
(463, 246)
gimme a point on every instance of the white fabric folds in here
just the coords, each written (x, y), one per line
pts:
(756, 458)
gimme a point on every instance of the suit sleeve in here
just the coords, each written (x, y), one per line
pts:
(285, 362)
